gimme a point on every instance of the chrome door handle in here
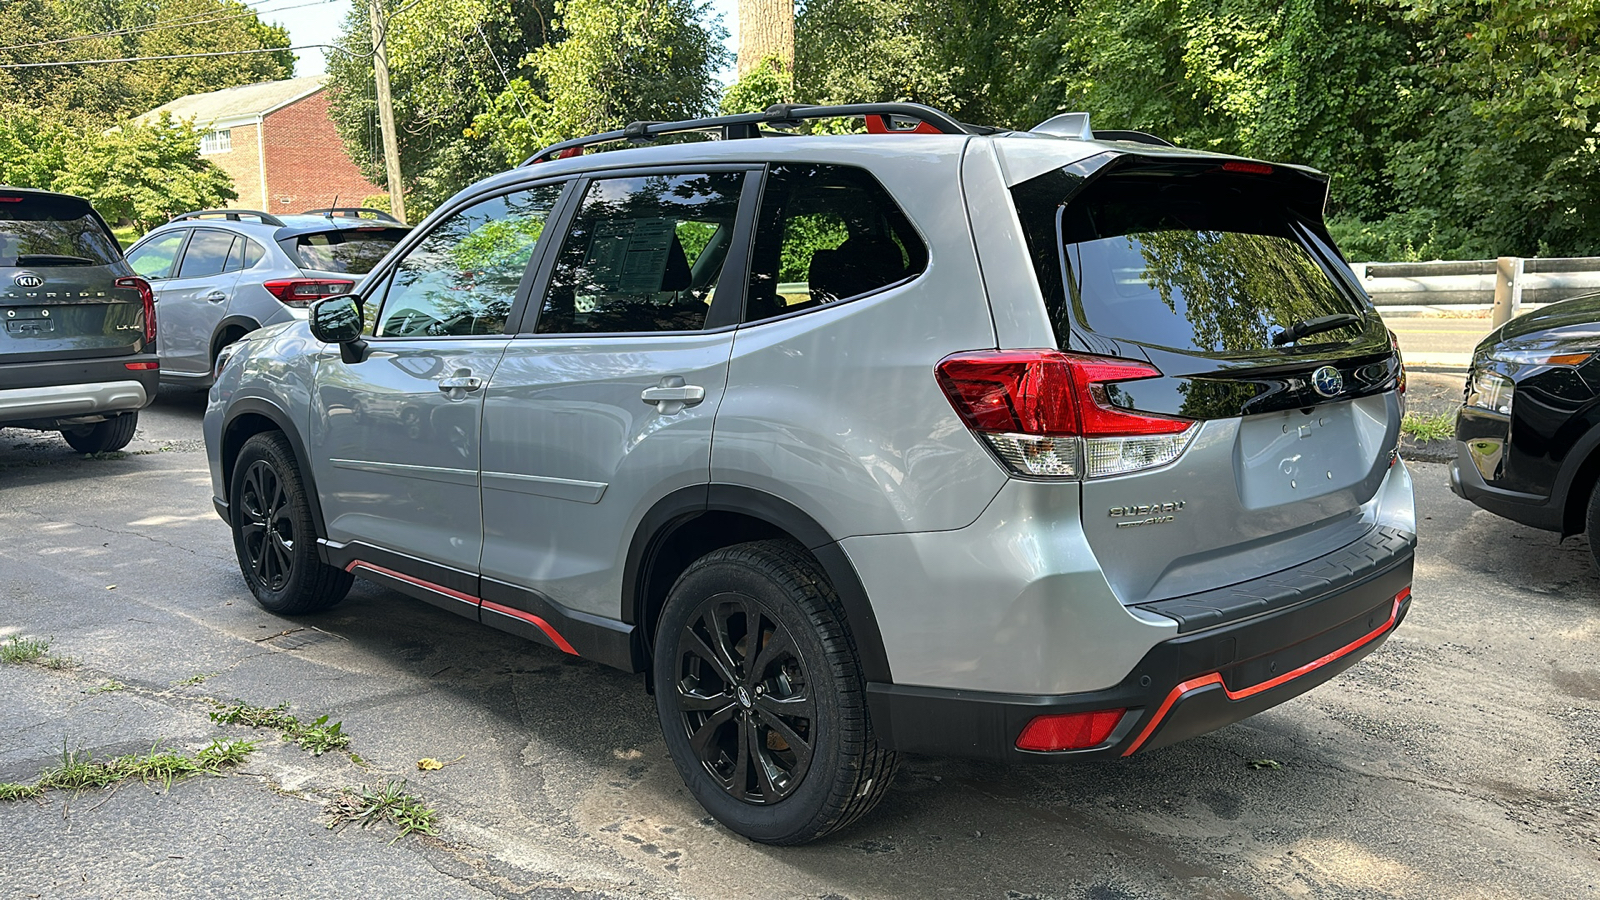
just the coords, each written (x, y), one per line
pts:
(214, 297)
(459, 385)
(672, 395)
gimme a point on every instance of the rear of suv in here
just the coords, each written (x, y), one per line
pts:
(219, 274)
(77, 353)
(1037, 446)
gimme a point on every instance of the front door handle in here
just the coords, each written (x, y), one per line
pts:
(214, 297)
(459, 385)
(672, 395)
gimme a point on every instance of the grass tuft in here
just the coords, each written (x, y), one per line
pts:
(10, 790)
(1441, 427)
(390, 802)
(18, 649)
(109, 686)
(78, 771)
(194, 679)
(318, 737)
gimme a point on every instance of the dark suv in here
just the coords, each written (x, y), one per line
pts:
(78, 351)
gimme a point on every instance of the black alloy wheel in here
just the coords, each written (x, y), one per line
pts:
(744, 698)
(266, 526)
(761, 697)
(274, 536)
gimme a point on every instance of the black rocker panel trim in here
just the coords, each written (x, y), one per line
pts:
(603, 640)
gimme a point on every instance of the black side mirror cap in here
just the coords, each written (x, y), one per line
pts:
(337, 320)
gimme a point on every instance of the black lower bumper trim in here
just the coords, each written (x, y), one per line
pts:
(1185, 686)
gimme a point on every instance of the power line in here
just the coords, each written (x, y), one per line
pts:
(133, 59)
(188, 21)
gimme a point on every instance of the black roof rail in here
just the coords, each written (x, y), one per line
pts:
(232, 215)
(352, 212)
(784, 115)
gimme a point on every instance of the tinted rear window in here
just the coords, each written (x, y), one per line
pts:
(353, 251)
(1192, 261)
(52, 231)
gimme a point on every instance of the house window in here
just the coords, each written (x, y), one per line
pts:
(217, 142)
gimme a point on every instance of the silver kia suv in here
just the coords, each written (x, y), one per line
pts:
(1038, 446)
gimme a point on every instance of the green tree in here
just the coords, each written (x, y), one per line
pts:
(144, 174)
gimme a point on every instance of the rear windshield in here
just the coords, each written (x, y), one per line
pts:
(1195, 262)
(351, 251)
(52, 231)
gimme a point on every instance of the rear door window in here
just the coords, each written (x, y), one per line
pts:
(351, 251)
(825, 234)
(1187, 260)
(52, 231)
(207, 254)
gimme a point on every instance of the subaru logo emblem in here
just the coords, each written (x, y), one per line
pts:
(28, 280)
(1327, 381)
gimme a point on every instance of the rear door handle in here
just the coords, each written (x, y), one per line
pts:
(459, 385)
(672, 395)
(214, 296)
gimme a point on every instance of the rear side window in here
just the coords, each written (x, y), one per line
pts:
(52, 231)
(824, 234)
(350, 251)
(1190, 260)
(206, 255)
(643, 254)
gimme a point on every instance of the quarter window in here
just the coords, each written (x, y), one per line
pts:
(644, 254)
(463, 277)
(825, 234)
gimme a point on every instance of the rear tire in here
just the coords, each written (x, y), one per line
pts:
(273, 534)
(761, 696)
(1592, 522)
(103, 437)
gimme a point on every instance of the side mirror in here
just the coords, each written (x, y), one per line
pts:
(337, 320)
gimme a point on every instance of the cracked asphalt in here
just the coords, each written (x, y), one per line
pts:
(1462, 759)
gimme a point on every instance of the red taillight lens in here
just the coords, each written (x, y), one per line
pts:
(301, 291)
(1047, 393)
(147, 298)
(141, 366)
(1073, 731)
(1249, 168)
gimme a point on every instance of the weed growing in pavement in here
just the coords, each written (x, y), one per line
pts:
(318, 737)
(78, 771)
(194, 679)
(19, 649)
(387, 803)
(59, 662)
(109, 686)
(1429, 428)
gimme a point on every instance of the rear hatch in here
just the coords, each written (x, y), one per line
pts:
(339, 250)
(59, 291)
(1219, 274)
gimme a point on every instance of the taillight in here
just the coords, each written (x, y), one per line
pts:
(1072, 731)
(1400, 379)
(301, 291)
(1047, 413)
(147, 298)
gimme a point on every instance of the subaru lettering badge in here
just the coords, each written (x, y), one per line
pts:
(1327, 381)
(27, 279)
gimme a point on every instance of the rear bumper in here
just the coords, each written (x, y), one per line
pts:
(38, 394)
(1196, 682)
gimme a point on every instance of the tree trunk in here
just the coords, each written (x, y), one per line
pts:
(766, 29)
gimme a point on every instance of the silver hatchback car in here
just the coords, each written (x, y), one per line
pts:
(937, 439)
(221, 273)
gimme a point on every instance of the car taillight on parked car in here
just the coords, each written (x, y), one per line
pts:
(1046, 413)
(147, 298)
(301, 291)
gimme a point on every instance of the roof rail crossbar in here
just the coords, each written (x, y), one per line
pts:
(748, 125)
(232, 215)
(351, 212)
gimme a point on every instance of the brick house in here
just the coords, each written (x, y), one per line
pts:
(276, 141)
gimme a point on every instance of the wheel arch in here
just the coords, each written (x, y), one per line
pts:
(691, 522)
(250, 416)
(1577, 481)
(242, 325)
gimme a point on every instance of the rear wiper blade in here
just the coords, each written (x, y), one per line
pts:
(53, 259)
(1307, 327)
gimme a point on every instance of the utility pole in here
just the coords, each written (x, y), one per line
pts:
(391, 146)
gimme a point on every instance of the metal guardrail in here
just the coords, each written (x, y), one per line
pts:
(1450, 283)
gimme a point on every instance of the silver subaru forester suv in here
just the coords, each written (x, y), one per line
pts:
(932, 439)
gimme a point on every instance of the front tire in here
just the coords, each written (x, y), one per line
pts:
(103, 437)
(761, 697)
(273, 535)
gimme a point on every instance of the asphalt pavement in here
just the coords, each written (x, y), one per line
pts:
(1461, 759)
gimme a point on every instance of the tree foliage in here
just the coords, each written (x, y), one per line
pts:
(145, 174)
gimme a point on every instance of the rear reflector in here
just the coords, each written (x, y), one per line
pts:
(301, 291)
(142, 366)
(1047, 413)
(147, 298)
(1073, 731)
